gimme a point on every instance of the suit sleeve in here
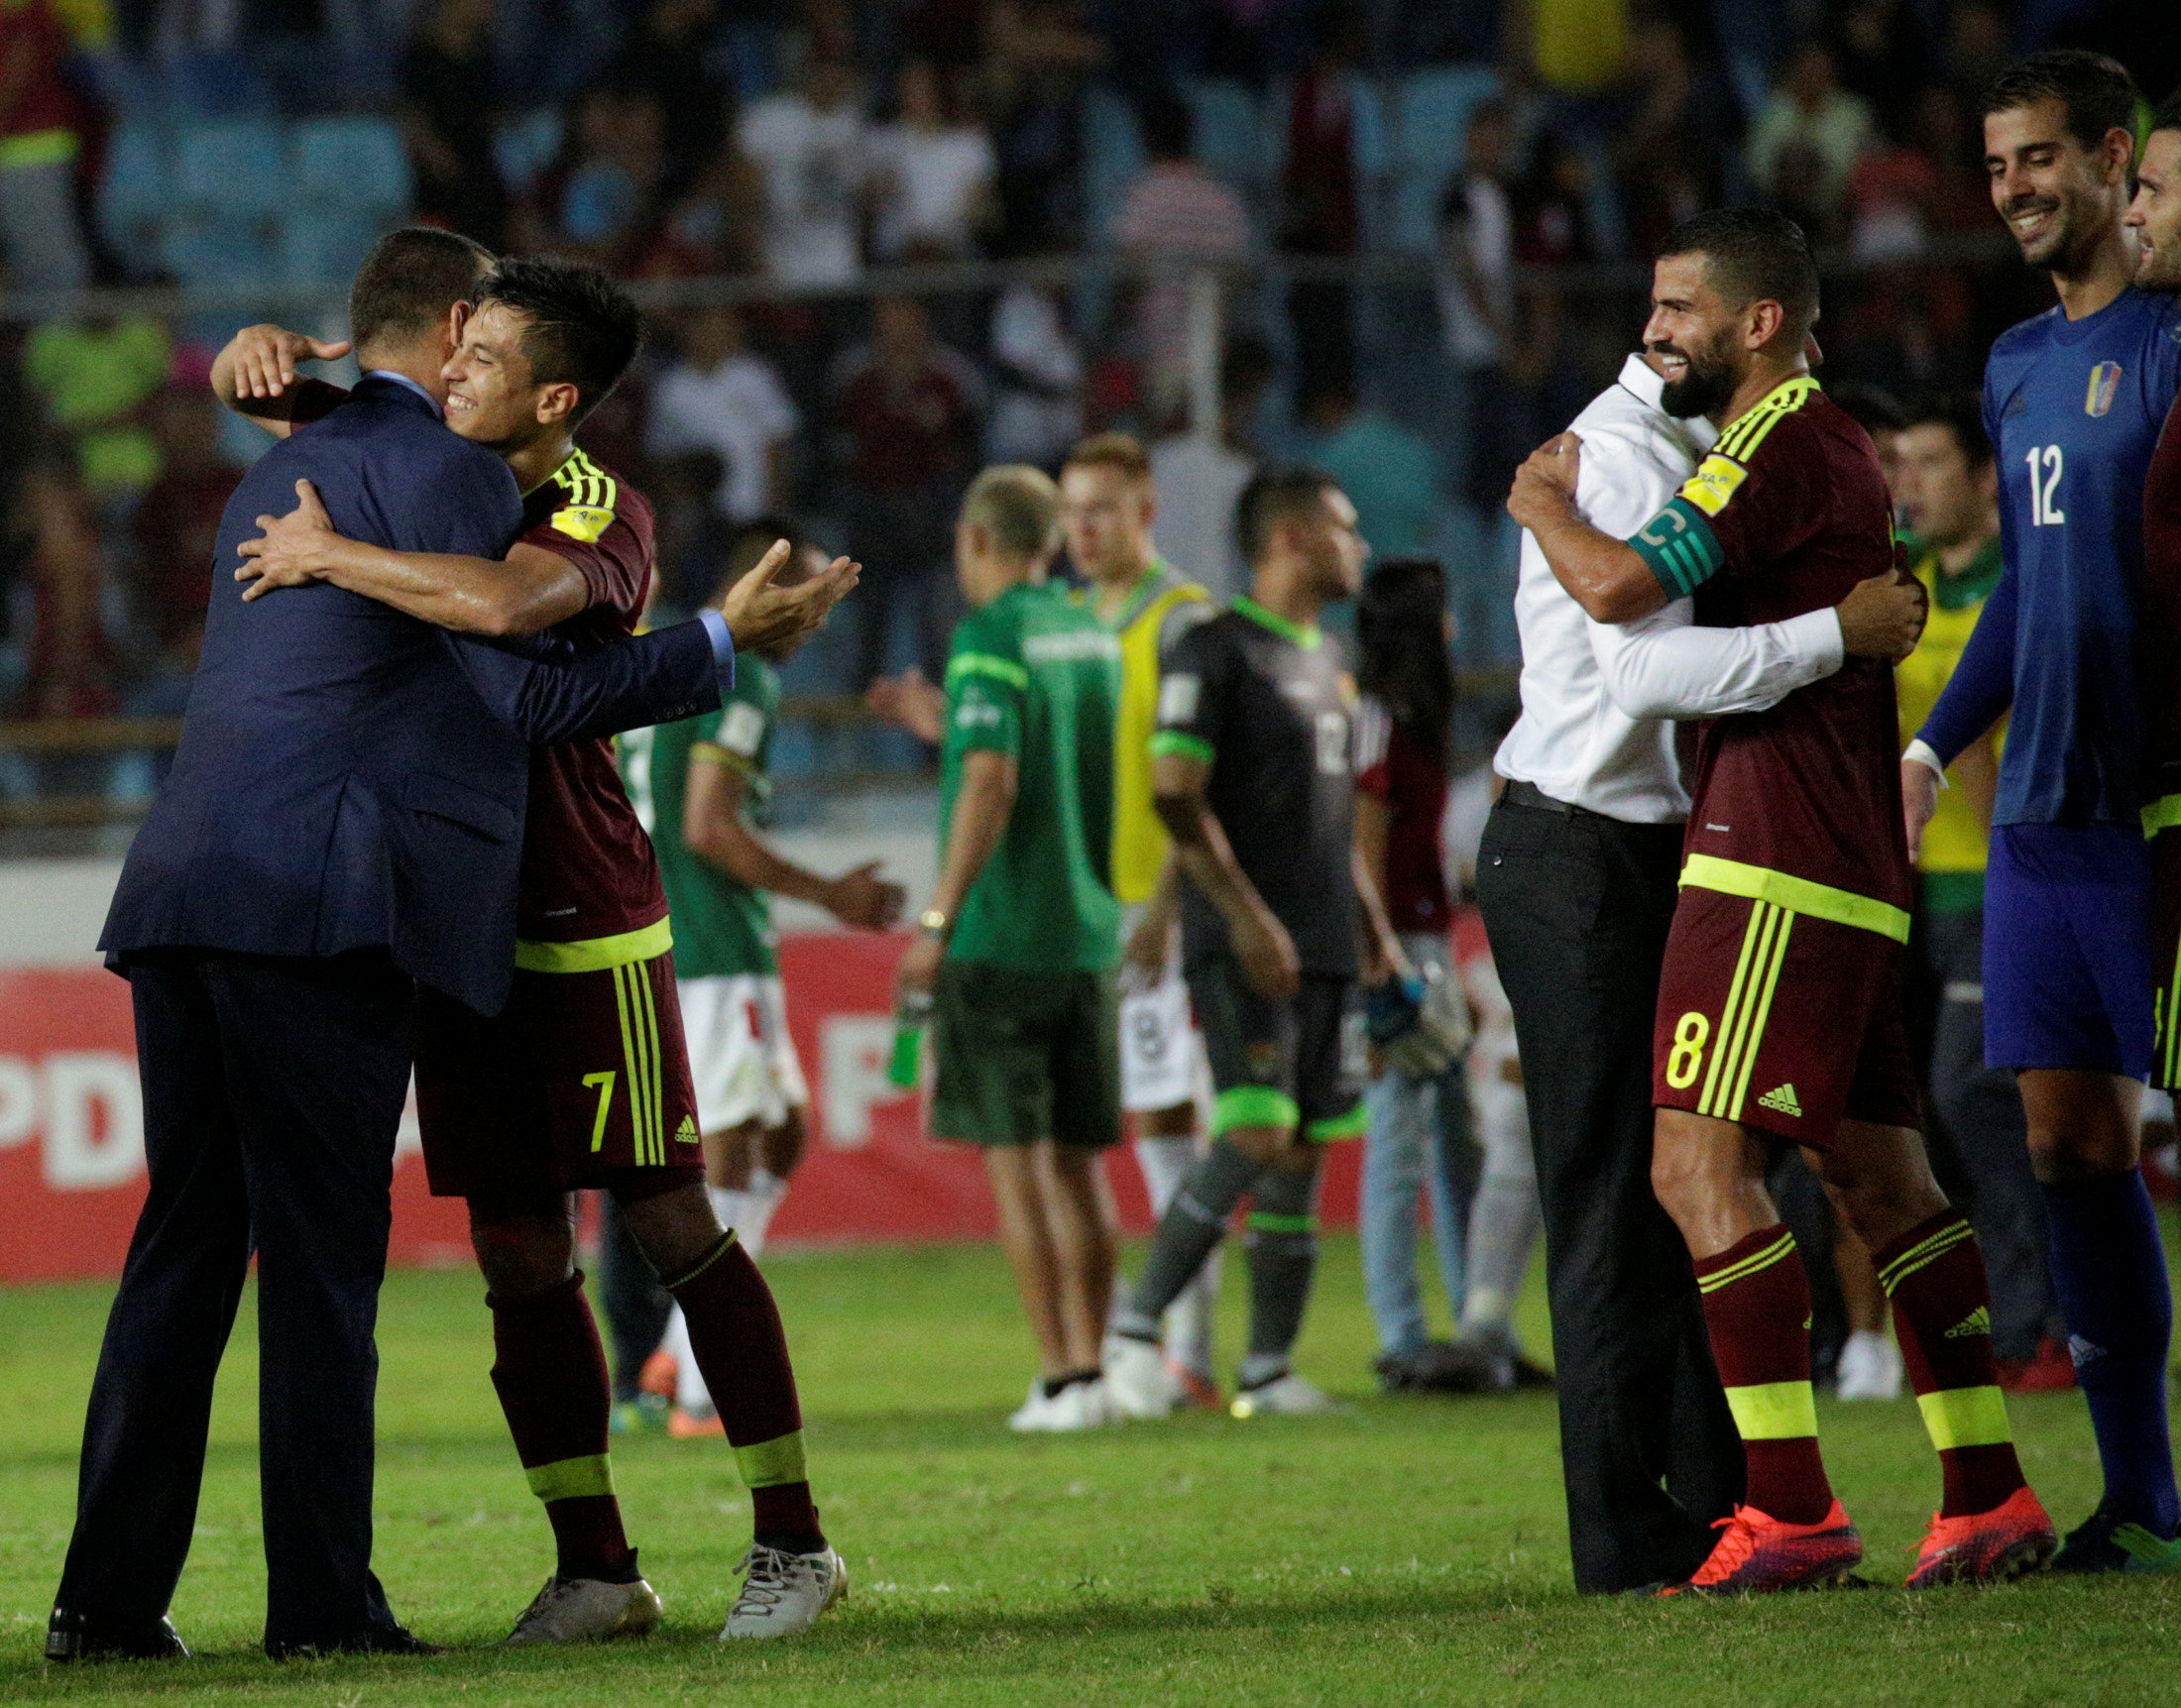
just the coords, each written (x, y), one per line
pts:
(566, 695)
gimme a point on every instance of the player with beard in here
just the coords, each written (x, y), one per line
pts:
(582, 1081)
(1779, 1015)
(2073, 403)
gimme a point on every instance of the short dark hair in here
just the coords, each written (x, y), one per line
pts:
(580, 327)
(1755, 254)
(1272, 498)
(1960, 414)
(2096, 91)
(409, 282)
(1874, 407)
(2166, 116)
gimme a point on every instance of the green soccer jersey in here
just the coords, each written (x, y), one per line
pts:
(722, 926)
(1037, 677)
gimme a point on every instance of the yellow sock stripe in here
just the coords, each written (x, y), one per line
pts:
(719, 1250)
(769, 1464)
(1784, 925)
(1924, 1251)
(1734, 1026)
(1964, 1417)
(571, 1479)
(1773, 1411)
(1779, 1248)
(1726, 1016)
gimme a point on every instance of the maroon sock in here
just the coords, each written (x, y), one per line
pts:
(1942, 1312)
(550, 1371)
(1757, 1310)
(735, 1331)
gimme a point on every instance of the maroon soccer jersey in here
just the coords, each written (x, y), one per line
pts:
(1396, 768)
(588, 869)
(1796, 514)
(2161, 614)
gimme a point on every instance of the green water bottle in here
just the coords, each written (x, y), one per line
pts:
(909, 1020)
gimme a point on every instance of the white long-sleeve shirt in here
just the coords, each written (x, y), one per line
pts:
(1597, 699)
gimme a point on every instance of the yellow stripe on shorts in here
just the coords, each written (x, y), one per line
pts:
(1747, 1007)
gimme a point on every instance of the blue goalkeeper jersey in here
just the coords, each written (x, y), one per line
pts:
(2073, 408)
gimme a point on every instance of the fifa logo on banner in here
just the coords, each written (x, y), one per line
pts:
(2104, 381)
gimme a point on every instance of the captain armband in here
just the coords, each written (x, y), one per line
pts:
(1679, 547)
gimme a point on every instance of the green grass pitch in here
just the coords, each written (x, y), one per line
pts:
(1408, 1551)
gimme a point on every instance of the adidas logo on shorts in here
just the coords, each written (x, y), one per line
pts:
(686, 1133)
(1978, 1321)
(1780, 1101)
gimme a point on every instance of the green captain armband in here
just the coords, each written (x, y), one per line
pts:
(1680, 548)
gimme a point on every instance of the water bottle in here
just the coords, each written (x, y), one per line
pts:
(909, 1021)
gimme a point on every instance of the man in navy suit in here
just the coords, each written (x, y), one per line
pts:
(343, 821)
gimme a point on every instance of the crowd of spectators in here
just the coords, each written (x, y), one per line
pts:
(1518, 151)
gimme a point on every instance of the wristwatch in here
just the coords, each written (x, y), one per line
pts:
(933, 923)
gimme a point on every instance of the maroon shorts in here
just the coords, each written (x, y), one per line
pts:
(2165, 956)
(580, 1081)
(1783, 1021)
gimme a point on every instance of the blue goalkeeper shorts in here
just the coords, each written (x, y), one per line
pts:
(2067, 949)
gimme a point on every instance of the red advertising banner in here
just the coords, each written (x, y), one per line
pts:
(71, 1127)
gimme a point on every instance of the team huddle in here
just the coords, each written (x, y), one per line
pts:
(1153, 870)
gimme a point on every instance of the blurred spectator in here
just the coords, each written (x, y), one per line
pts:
(96, 375)
(1174, 211)
(1476, 273)
(1319, 194)
(1391, 476)
(1576, 46)
(933, 172)
(617, 171)
(1552, 226)
(1037, 56)
(690, 536)
(177, 532)
(38, 144)
(907, 411)
(1667, 155)
(1892, 193)
(670, 54)
(1883, 59)
(70, 661)
(1037, 381)
(1200, 477)
(809, 143)
(720, 397)
(450, 111)
(1808, 140)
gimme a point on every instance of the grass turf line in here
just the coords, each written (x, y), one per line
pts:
(1411, 1550)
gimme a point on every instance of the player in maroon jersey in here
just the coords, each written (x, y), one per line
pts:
(1778, 1007)
(2156, 215)
(582, 1081)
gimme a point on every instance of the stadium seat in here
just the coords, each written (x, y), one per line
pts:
(1113, 156)
(526, 145)
(235, 171)
(1428, 138)
(136, 196)
(318, 247)
(1233, 143)
(354, 165)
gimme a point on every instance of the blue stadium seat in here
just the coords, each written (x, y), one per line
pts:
(233, 170)
(209, 250)
(319, 246)
(1233, 143)
(354, 164)
(526, 145)
(1431, 132)
(1112, 155)
(136, 197)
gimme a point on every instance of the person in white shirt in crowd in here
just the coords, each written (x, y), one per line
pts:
(1576, 876)
(1037, 381)
(720, 396)
(809, 145)
(933, 174)
(1200, 478)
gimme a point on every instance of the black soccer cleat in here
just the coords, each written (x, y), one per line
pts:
(2105, 1542)
(86, 1637)
(377, 1640)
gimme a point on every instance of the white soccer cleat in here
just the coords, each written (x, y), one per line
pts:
(1869, 1367)
(1137, 1382)
(586, 1610)
(784, 1593)
(1078, 1405)
(1286, 1396)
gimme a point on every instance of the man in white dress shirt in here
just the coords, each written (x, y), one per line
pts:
(1576, 876)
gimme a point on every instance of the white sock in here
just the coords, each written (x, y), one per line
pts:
(690, 1393)
(767, 1190)
(1503, 1225)
(1187, 1329)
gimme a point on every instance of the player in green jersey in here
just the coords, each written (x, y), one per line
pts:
(1018, 945)
(701, 787)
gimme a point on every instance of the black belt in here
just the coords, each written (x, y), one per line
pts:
(1521, 794)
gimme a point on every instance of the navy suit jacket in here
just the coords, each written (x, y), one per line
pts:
(349, 776)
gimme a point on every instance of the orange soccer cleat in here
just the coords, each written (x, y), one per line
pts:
(1756, 1553)
(658, 1374)
(2013, 1538)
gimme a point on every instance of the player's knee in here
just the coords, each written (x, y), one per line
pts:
(1689, 1173)
(521, 1250)
(674, 1228)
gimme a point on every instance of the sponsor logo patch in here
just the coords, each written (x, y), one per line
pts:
(583, 522)
(1714, 483)
(1978, 1321)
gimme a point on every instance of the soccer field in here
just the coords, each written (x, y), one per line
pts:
(1411, 1550)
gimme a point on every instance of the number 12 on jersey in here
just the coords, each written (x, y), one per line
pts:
(2044, 486)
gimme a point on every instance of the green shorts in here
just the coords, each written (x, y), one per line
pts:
(1025, 1055)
